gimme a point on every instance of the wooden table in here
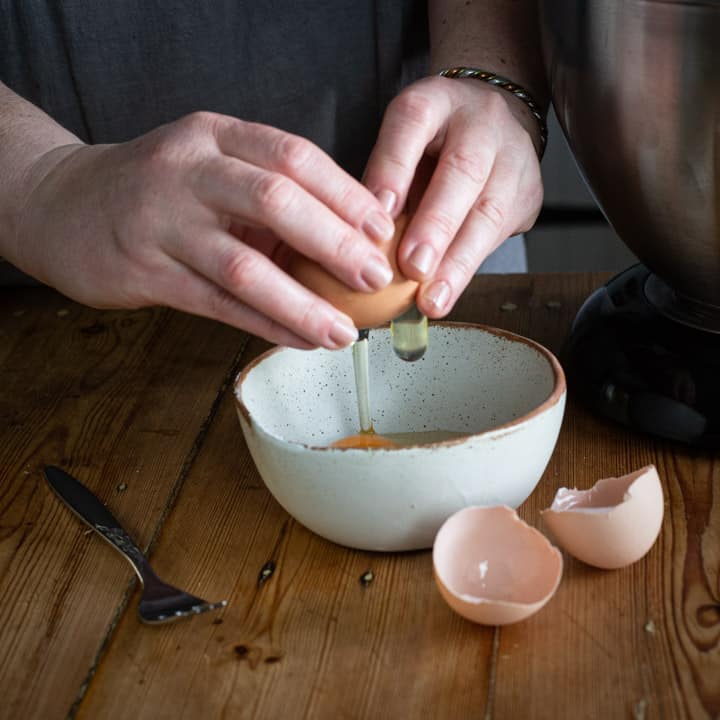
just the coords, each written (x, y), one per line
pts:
(138, 405)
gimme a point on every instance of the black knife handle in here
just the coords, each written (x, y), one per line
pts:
(90, 509)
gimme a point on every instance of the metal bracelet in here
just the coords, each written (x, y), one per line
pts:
(504, 84)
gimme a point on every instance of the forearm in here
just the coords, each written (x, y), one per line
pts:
(30, 144)
(501, 36)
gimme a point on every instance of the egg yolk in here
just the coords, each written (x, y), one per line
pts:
(364, 441)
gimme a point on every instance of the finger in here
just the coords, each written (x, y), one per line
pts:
(254, 280)
(276, 202)
(182, 288)
(204, 298)
(411, 123)
(485, 227)
(311, 168)
(462, 170)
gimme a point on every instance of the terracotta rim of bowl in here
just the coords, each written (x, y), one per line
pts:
(559, 387)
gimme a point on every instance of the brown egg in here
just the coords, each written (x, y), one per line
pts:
(366, 309)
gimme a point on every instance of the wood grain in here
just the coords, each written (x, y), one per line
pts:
(639, 642)
(120, 400)
(312, 641)
(282, 648)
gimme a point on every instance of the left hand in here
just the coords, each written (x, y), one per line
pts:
(485, 185)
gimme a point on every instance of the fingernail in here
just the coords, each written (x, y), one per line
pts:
(342, 332)
(438, 294)
(422, 258)
(376, 273)
(379, 227)
(387, 199)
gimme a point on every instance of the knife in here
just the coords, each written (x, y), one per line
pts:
(94, 513)
(159, 602)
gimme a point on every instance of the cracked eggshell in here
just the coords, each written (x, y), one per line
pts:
(493, 568)
(611, 525)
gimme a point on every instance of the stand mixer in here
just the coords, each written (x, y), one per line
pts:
(636, 88)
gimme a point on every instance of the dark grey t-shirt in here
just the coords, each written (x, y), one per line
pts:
(110, 70)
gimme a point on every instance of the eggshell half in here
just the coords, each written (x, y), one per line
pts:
(367, 310)
(493, 568)
(611, 525)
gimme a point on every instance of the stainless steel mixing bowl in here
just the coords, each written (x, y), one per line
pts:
(636, 87)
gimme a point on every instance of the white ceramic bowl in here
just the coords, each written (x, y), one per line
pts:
(505, 392)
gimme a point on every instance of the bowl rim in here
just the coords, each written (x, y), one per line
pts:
(558, 391)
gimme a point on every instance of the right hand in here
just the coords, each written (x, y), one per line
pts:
(461, 153)
(202, 215)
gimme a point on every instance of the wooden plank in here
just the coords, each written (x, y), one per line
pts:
(312, 642)
(639, 642)
(282, 648)
(631, 642)
(119, 399)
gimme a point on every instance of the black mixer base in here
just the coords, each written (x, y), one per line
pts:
(632, 364)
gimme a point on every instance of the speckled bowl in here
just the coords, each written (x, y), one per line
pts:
(505, 393)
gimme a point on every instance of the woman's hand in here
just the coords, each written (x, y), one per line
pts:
(202, 215)
(484, 184)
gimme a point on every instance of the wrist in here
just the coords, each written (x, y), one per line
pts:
(524, 107)
(29, 181)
